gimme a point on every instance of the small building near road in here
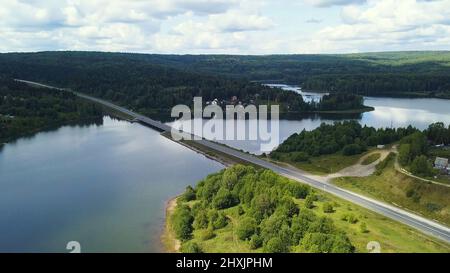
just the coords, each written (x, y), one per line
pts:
(441, 164)
(380, 146)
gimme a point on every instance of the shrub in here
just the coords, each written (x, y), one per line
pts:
(327, 207)
(189, 194)
(309, 201)
(182, 222)
(191, 247)
(363, 227)
(246, 228)
(255, 241)
(221, 221)
(275, 245)
(299, 157)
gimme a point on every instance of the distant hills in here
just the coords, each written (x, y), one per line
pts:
(417, 73)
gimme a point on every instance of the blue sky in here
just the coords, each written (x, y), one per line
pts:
(225, 26)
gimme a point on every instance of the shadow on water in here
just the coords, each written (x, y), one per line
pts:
(53, 127)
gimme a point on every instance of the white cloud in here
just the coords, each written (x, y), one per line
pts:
(391, 25)
(329, 3)
(224, 26)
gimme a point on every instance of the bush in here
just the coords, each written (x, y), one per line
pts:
(327, 207)
(275, 245)
(255, 241)
(299, 157)
(189, 194)
(182, 222)
(201, 220)
(421, 166)
(221, 221)
(309, 201)
(246, 228)
(363, 227)
(191, 247)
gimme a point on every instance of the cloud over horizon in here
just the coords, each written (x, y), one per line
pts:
(225, 26)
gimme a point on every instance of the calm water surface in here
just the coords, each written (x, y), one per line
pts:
(104, 186)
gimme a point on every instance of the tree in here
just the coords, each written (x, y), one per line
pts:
(189, 194)
(352, 149)
(224, 199)
(404, 154)
(182, 222)
(275, 245)
(421, 166)
(246, 228)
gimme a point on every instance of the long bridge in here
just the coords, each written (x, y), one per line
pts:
(418, 222)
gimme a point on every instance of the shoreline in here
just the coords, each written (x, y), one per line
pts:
(169, 242)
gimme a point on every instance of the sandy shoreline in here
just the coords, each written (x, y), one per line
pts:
(170, 243)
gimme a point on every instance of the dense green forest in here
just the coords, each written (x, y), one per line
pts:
(268, 217)
(348, 137)
(389, 74)
(149, 83)
(25, 110)
(138, 84)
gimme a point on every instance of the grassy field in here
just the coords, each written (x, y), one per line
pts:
(393, 237)
(371, 158)
(326, 164)
(429, 200)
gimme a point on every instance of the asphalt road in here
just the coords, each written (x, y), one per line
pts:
(427, 226)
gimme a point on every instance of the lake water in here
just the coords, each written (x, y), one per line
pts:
(104, 186)
(389, 112)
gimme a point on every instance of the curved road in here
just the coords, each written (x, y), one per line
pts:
(410, 219)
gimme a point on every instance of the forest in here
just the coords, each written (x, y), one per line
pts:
(351, 138)
(138, 84)
(25, 110)
(149, 82)
(348, 137)
(267, 217)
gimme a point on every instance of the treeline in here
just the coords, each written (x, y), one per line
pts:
(387, 74)
(348, 137)
(25, 109)
(261, 208)
(382, 84)
(137, 83)
(155, 83)
(339, 102)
